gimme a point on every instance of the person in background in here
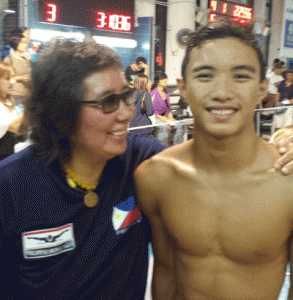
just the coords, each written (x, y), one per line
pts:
(70, 225)
(285, 89)
(270, 70)
(22, 32)
(274, 80)
(284, 68)
(139, 67)
(10, 122)
(284, 97)
(22, 68)
(171, 134)
(143, 107)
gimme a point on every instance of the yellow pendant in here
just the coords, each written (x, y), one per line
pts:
(71, 183)
(91, 199)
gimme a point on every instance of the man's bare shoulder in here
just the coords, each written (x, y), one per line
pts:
(168, 163)
(155, 176)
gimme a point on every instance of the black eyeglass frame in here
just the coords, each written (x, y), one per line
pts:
(128, 98)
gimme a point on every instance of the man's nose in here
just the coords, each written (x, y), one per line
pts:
(222, 89)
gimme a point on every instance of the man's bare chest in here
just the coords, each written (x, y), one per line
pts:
(243, 219)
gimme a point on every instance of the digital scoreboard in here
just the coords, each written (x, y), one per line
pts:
(114, 15)
(237, 12)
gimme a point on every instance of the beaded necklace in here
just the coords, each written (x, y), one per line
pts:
(91, 198)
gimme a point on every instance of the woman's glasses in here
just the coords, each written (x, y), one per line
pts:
(111, 103)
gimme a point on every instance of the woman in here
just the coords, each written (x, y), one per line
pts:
(163, 112)
(21, 64)
(9, 120)
(143, 106)
(285, 89)
(68, 201)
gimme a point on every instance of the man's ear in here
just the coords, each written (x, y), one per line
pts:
(182, 87)
(263, 90)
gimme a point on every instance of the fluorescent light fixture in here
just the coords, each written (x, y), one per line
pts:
(115, 42)
(146, 46)
(9, 11)
(43, 35)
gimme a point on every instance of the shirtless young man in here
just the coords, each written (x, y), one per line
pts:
(221, 215)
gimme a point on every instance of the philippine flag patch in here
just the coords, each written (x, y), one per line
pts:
(125, 215)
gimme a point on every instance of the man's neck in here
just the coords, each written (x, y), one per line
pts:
(225, 155)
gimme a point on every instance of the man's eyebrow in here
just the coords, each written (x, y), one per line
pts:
(200, 68)
(245, 67)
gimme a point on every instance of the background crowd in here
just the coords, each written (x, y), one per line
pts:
(153, 105)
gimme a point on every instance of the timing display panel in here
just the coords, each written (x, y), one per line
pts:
(114, 15)
(237, 12)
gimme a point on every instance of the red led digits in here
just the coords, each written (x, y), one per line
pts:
(51, 12)
(239, 13)
(224, 8)
(112, 21)
(101, 19)
(242, 12)
(213, 5)
(119, 22)
(212, 18)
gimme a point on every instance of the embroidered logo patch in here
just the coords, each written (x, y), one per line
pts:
(125, 215)
(48, 242)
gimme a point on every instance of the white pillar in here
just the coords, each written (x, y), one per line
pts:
(259, 16)
(276, 29)
(181, 15)
(143, 8)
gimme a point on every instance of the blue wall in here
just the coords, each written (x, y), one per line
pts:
(143, 36)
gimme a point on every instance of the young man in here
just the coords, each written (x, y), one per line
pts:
(139, 67)
(69, 223)
(221, 215)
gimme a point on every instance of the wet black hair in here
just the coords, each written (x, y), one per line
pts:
(220, 30)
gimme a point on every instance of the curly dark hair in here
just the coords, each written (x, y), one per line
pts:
(57, 87)
(224, 28)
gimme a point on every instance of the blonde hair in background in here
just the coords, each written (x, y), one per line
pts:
(141, 82)
(284, 134)
(6, 72)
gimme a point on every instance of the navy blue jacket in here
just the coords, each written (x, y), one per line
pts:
(54, 247)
